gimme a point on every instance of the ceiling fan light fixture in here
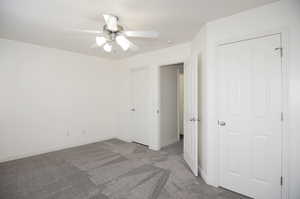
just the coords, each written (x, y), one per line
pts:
(113, 33)
(100, 41)
(123, 42)
(107, 47)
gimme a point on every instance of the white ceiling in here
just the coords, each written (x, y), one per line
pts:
(45, 22)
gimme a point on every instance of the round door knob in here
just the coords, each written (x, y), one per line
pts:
(222, 123)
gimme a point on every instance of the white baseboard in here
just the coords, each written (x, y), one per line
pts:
(203, 175)
(125, 139)
(51, 149)
(154, 148)
(172, 141)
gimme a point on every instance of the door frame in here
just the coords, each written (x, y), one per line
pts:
(184, 62)
(285, 78)
(178, 104)
(159, 98)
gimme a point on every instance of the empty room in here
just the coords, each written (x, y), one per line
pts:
(169, 99)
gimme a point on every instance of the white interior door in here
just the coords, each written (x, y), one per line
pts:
(190, 150)
(140, 105)
(250, 99)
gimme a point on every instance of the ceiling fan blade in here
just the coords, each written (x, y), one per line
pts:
(100, 41)
(133, 46)
(142, 34)
(125, 44)
(85, 31)
(111, 22)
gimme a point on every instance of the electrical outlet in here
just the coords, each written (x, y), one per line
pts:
(83, 132)
(68, 133)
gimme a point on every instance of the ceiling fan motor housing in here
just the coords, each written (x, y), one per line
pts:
(108, 31)
(112, 34)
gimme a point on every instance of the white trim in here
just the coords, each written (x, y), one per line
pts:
(285, 92)
(173, 141)
(50, 149)
(285, 78)
(203, 175)
(188, 160)
(178, 104)
(154, 147)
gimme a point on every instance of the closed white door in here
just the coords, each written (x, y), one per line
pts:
(190, 149)
(250, 106)
(140, 105)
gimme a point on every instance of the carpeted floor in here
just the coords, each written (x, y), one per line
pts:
(111, 169)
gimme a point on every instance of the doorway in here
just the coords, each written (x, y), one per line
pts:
(171, 100)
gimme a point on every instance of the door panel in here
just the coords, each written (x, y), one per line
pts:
(251, 104)
(140, 105)
(190, 116)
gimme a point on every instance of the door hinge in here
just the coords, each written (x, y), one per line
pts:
(281, 116)
(281, 180)
(281, 51)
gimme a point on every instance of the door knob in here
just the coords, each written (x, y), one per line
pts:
(193, 119)
(133, 109)
(222, 123)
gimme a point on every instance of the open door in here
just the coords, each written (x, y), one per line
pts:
(190, 150)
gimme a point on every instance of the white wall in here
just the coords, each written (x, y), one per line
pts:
(153, 60)
(34, 107)
(277, 16)
(53, 99)
(168, 105)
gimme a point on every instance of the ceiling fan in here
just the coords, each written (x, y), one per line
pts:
(113, 32)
